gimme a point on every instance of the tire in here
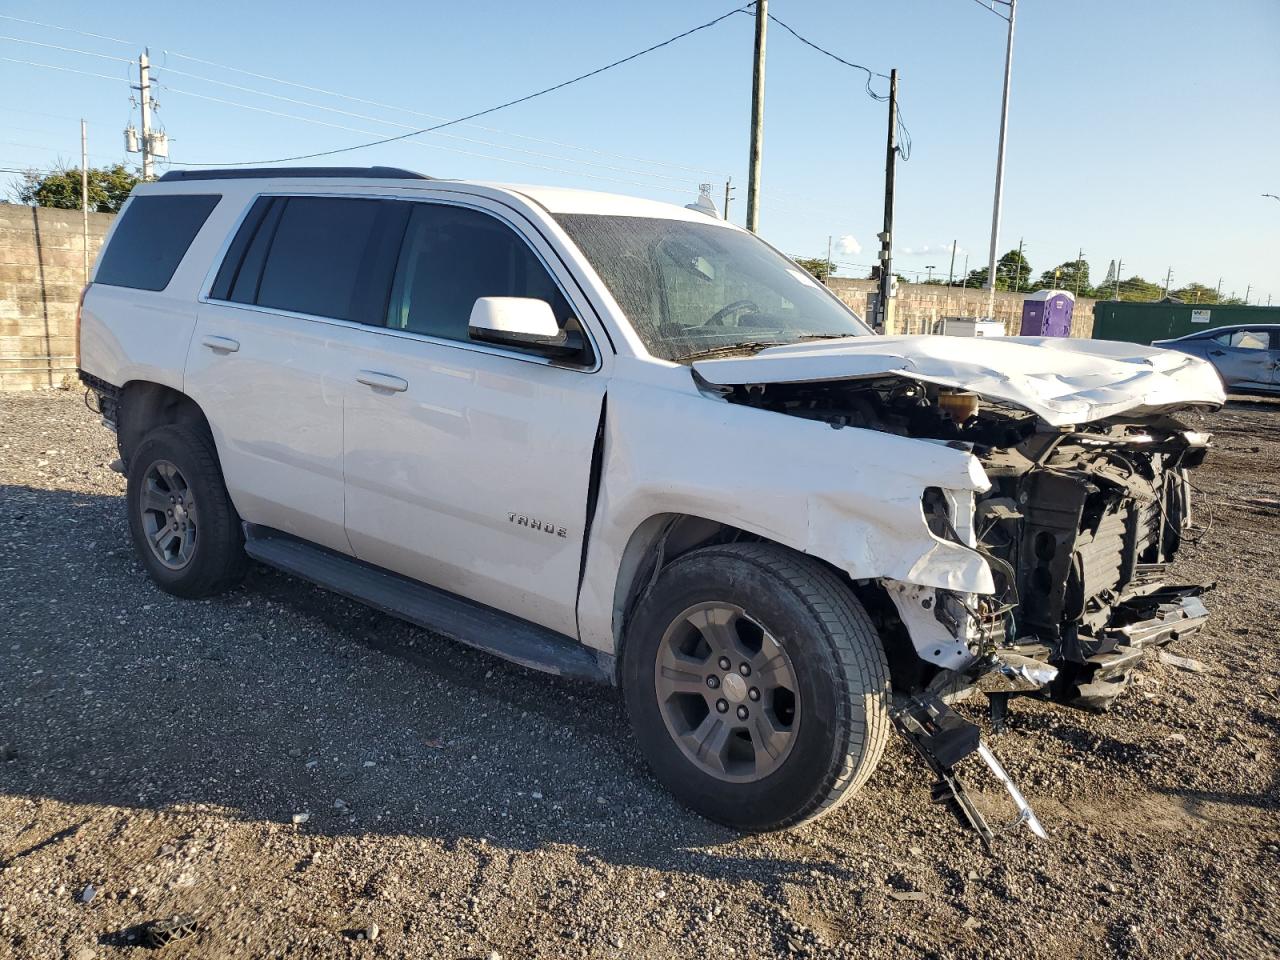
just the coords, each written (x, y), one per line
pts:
(839, 719)
(179, 464)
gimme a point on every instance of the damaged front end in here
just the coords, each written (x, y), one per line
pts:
(1078, 529)
(1085, 522)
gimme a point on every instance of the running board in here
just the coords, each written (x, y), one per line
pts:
(466, 621)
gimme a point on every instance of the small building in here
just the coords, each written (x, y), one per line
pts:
(1047, 313)
(968, 327)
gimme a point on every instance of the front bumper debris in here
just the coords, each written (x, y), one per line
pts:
(1093, 672)
(942, 738)
(1088, 674)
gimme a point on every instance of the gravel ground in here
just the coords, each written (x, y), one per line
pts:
(159, 751)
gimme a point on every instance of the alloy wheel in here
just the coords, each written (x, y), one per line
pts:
(727, 692)
(168, 510)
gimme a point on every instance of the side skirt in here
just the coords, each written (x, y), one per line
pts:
(458, 618)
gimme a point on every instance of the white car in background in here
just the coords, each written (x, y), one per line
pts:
(620, 440)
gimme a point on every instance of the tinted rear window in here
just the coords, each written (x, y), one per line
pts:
(320, 260)
(151, 239)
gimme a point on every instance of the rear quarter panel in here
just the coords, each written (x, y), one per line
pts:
(128, 334)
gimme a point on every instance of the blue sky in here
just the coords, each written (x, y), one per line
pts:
(1139, 129)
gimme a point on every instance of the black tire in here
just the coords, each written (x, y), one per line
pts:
(217, 560)
(837, 661)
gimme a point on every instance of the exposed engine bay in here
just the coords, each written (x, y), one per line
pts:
(1079, 527)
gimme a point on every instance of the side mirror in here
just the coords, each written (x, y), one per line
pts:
(522, 322)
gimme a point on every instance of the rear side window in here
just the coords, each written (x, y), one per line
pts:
(151, 239)
(1246, 339)
(324, 256)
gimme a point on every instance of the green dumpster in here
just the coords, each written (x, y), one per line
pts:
(1145, 322)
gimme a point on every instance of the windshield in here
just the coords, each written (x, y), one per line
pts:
(692, 288)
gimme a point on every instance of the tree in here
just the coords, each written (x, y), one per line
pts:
(1011, 269)
(1065, 276)
(1195, 293)
(1105, 291)
(1137, 289)
(816, 266)
(108, 188)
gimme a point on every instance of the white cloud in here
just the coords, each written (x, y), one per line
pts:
(848, 245)
(928, 249)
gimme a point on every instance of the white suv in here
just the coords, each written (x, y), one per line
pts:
(621, 440)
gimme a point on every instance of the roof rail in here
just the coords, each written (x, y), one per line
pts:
(263, 173)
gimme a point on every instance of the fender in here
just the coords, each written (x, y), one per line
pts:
(849, 496)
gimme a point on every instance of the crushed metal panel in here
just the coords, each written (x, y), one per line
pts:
(1061, 380)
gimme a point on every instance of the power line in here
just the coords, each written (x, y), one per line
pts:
(848, 63)
(488, 110)
(54, 46)
(686, 179)
(701, 171)
(904, 136)
(428, 146)
(50, 66)
(54, 26)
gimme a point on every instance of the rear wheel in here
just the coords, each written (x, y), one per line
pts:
(756, 684)
(184, 528)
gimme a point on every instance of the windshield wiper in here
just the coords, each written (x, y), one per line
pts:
(749, 347)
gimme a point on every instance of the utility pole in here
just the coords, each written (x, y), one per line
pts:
(1218, 296)
(886, 237)
(144, 97)
(951, 271)
(84, 193)
(1079, 260)
(1017, 268)
(965, 282)
(827, 280)
(757, 120)
(728, 189)
(1247, 290)
(929, 267)
(1119, 267)
(1004, 127)
(1168, 278)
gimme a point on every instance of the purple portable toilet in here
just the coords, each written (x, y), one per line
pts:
(1047, 313)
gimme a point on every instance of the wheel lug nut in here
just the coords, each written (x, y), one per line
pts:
(745, 669)
(713, 681)
(753, 693)
(722, 706)
(742, 713)
(724, 663)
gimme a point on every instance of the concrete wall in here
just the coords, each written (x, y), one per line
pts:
(41, 275)
(920, 304)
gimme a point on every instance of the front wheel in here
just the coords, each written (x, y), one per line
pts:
(756, 684)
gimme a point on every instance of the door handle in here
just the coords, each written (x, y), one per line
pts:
(1215, 353)
(221, 344)
(382, 381)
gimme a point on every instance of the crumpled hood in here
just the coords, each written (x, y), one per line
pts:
(1061, 380)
